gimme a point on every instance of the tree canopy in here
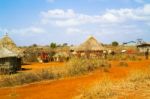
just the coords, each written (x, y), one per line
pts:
(115, 43)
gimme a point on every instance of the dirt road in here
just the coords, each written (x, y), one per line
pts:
(68, 87)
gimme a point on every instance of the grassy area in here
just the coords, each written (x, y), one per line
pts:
(125, 57)
(80, 66)
(24, 78)
(74, 67)
(108, 89)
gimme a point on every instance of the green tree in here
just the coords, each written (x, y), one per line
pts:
(115, 43)
(53, 45)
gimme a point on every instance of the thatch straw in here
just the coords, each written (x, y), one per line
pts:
(91, 44)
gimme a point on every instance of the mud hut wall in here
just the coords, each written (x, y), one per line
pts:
(144, 49)
(89, 54)
(10, 64)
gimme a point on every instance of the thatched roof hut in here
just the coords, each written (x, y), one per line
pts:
(143, 47)
(61, 56)
(90, 48)
(8, 43)
(10, 62)
(5, 53)
(91, 44)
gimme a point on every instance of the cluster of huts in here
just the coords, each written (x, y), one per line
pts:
(90, 48)
(11, 56)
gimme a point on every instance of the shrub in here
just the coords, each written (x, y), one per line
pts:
(80, 66)
(100, 90)
(24, 78)
(123, 64)
(139, 76)
(115, 43)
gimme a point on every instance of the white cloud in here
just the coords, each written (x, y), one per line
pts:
(146, 9)
(109, 17)
(73, 30)
(59, 13)
(69, 17)
(58, 22)
(24, 31)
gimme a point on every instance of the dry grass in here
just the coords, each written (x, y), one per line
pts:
(24, 78)
(123, 64)
(100, 90)
(78, 66)
(108, 89)
(74, 67)
(125, 57)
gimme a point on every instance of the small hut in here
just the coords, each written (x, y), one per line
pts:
(90, 48)
(43, 57)
(10, 62)
(143, 47)
(61, 57)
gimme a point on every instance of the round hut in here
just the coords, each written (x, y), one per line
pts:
(9, 61)
(61, 57)
(90, 48)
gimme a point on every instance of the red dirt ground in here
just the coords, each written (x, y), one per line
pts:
(38, 66)
(68, 87)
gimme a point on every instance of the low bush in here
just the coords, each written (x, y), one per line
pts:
(100, 90)
(139, 76)
(107, 89)
(123, 57)
(24, 78)
(80, 66)
(123, 64)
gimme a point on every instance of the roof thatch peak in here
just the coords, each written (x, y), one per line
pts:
(7, 41)
(91, 44)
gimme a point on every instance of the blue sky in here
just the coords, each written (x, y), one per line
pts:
(72, 21)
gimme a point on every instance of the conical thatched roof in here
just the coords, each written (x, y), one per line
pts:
(4, 53)
(8, 43)
(91, 44)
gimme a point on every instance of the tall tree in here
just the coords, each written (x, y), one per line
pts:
(115, 43)
(53, 45)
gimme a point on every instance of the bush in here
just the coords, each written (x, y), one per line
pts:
(24, 78)
(139, 76)
(80, 66)
(123, 64)
(115, 43)
(100, 90)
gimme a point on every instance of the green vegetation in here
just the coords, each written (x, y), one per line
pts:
(53, 45)
(80, 66)
(115, 43)
(24, 78)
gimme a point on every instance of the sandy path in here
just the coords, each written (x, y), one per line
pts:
(64, 89)
(68, 87)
